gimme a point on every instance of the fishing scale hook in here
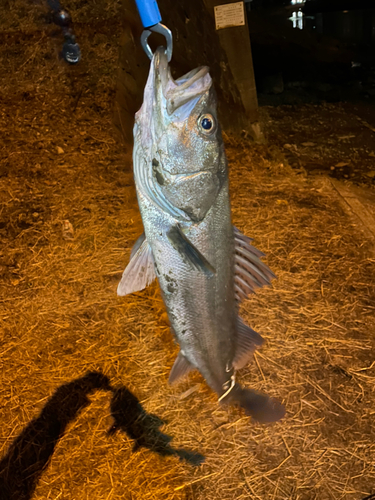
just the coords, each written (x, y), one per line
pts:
(151, 20)
(163, 30)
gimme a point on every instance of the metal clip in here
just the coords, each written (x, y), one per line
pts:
(163, 30)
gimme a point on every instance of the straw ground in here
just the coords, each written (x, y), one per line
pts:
(61, 318)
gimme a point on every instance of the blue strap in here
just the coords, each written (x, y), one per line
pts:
(149, 12)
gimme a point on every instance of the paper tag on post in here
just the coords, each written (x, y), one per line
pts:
(230, 14)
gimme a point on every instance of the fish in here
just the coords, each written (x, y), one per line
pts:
(204, 265)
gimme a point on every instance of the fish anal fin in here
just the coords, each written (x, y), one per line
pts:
(247, 341)
(188, 251)
(140, 271)
(180, 368)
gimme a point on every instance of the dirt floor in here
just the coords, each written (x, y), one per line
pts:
(85, 408)
(334, 139)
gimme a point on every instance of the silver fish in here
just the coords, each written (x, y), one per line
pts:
(204, 265)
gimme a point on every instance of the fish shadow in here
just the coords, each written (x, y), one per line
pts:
(29, 454)
(130, 417)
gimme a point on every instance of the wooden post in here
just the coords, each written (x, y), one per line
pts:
(236, 43)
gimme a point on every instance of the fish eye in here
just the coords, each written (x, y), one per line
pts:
(206, 124)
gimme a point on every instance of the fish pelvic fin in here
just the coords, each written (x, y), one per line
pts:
(258, 406)
(180, 368)
(140, 272)
(188, 252)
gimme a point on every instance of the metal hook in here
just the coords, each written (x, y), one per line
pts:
(163, 30)
(232, 382)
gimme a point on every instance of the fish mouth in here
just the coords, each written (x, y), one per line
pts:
(189, 87)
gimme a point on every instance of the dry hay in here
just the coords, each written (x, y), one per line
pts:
(61, 318)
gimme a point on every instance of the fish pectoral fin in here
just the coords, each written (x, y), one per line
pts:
(250, 272)
(247, 341)
(188, 251)
(140, 271)
(180, 368)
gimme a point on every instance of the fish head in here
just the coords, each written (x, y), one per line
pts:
(184, 163)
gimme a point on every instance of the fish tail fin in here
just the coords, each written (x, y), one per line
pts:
(260, 407)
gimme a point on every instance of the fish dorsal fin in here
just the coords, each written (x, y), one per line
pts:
(140, 271)
(247, 341)
(188, 252)
(180, 368)
(250, 272)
